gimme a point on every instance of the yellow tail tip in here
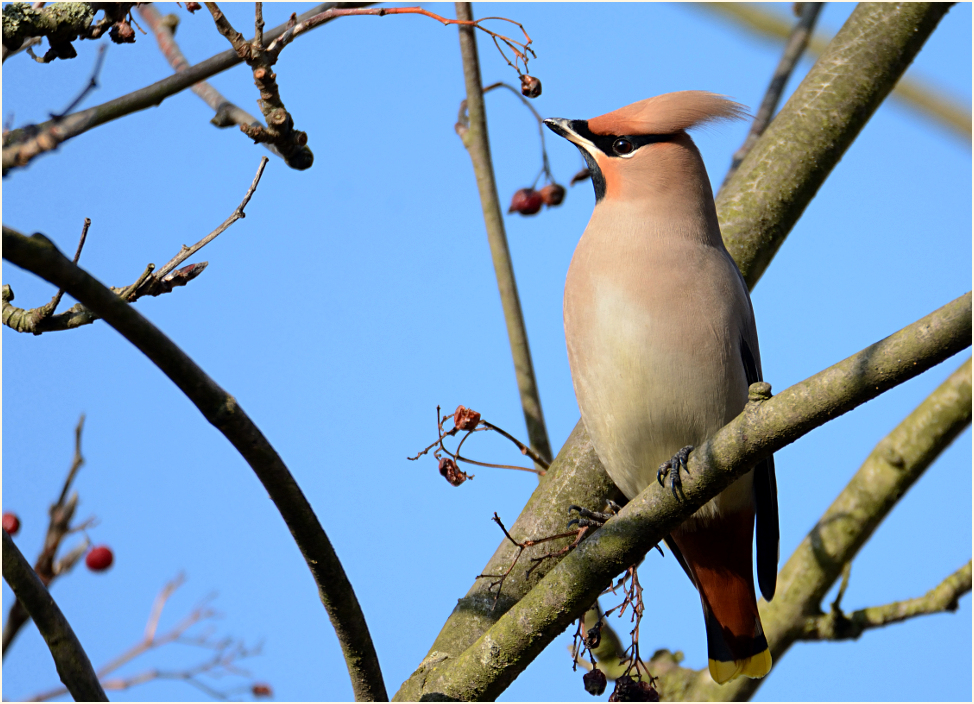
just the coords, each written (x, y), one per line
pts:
(755, 667)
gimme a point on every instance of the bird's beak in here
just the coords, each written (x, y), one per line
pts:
(572, 130)
(563, 128)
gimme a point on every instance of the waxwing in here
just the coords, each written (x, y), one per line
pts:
(663, 346)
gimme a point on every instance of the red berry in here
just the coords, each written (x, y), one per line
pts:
(526, 201)
(11, 523)
(99, 558)
(552, 194)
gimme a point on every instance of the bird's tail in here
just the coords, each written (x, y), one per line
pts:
(718, 557)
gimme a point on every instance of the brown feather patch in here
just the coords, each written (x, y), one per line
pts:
(668, 113)
(719, 556)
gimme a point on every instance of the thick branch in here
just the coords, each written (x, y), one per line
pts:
(476, 141)
(794, 48)
(39, 255)
(783, 172)
(896, 463)
(485, 668)
(913, 93)
(839, 626)
(72, 662)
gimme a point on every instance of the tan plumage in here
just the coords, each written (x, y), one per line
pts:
(662, 346)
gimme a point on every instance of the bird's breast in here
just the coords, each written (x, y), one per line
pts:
(653, 332)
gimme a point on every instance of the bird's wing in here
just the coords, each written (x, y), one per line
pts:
(765, 498)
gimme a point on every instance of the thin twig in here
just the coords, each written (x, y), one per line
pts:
(476, 142)
(48, 310)
(541, 128)
(186, 252)
(78, 461)
(525, 450)
(521, 49)
(41, 320)
(835, 625)
(61, 514)
(539, 472)
(227, 651)
(92, 84)
(794, 49)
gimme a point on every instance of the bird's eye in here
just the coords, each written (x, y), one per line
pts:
(622, 146)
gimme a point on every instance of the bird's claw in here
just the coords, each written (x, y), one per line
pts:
(592, 519)
(675, 463)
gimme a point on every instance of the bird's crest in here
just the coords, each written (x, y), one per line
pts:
(668, 113)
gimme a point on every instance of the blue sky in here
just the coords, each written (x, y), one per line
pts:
(358, 295)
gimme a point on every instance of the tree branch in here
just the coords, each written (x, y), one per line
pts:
(895, 464)
(150, 283)
(22, 145)
(485, 668)
(291, 143)
(476, 141)
(764, 199)
(913, 93)
(72, 662)
(839, 626)
(39, 255)
(794, 48)
(61, 23)
(61, 513)
(227, 113)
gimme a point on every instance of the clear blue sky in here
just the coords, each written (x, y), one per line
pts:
(357, 296)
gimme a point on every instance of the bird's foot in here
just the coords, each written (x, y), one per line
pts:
(592, 519)
(675, 463)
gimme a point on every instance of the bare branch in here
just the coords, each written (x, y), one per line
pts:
(476, 141)
(21, 145)
(839, 626)
(764, 199)
(39, 255)
(73, 665)
(227, 113)
(915, 93)
(46, 567)
(149, 283)
(290, 142)
(794, 49)
(226, 652)
(92, 84)
(237, 214)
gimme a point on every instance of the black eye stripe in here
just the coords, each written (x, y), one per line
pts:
(605, 142)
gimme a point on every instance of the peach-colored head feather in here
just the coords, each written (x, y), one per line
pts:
(668, 113)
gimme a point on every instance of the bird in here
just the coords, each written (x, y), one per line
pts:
(663, 346)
